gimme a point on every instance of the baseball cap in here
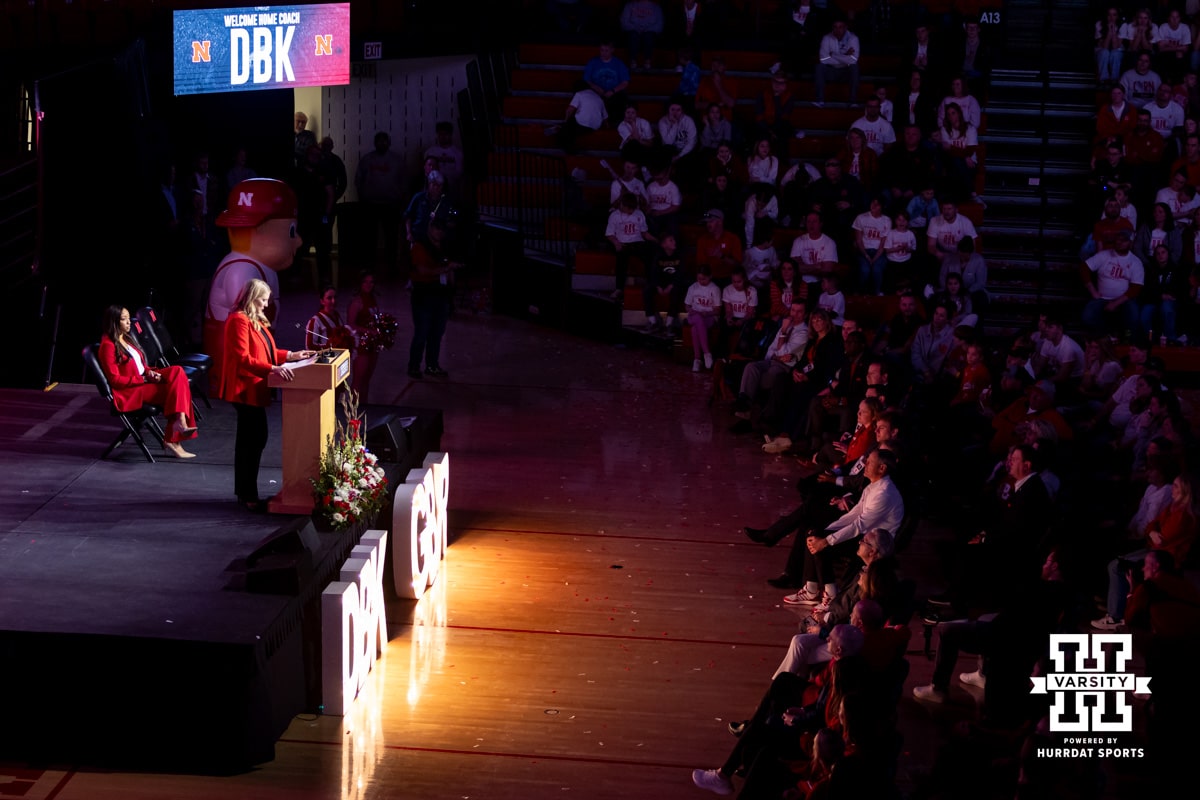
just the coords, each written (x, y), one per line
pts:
(1045, 386)
(714, 213)
(256, 200)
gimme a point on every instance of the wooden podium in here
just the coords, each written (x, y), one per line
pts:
(309, 420)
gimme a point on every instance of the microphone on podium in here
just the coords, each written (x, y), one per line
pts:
(323, 356)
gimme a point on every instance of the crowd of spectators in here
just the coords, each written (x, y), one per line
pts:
(1062, 464)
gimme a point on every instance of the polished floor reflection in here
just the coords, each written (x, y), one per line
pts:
(600, 616)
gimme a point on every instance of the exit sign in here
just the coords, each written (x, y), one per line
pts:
(372, 51)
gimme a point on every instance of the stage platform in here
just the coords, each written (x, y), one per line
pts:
(127, 634)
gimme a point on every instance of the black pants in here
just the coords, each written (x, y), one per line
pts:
(430, 310)
(248, 447)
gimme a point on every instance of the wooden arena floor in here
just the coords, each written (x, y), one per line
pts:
(600, 619)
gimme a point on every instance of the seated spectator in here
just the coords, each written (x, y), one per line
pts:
(1037, 404)
(831, 300)
(894, 339)
(703, 306)
(838, 60)
(715, 130)
(838, 197)
(663, 202)
(1166, 116)
(762, 166)
(918, 104)
(860, 161)
(637, 137)
(974, 56)
(1101, 371)
(879, 132)
(1145, 150)
(974, 378)
(628, 233)
(971, 267)
(1113, 278)
(899, 245)
(802, 34)
(840, 402)
(585, 113)
(1059, 358)
(1172, 531)
(815, 253)
(627, 182)
(719, 249)
(922, 209)
(687, 25)
(1115, 120)
(786, 287)
(1111, 172)
(947, 230)
(932, 343)
(967, 105)
(761, 259)
(664, 278)
(1105, 231)
(782, 354)
(887, 109)
(955, 296)
(923, 54)
(689, 80)
(1141, 83)
(783, 414)
(642, 21)
(773, 112)
(870, 230)
(722, 195)
(608, 77)
(813, 556)
(761, 206)
(1172, 41)
(1189, 162)
(1138, 36)
(1109, 47)
(677, 131)
(725, 163)
(1165, 283)
(718, 89)
(959, 141)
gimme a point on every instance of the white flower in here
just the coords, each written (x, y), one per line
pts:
(339, 517)
(371, 459)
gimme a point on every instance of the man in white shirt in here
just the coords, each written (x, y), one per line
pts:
(813, 556)
(945, 232)
(879, 132)
(781, 356)
(1165, 114)
(677, 131)
(838, 55)
(816, 253)
(1173, 40)
(585, 113)
(1059, 358)
(1113, 278)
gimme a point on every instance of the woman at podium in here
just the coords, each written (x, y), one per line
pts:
(134, 383)
(250, 357)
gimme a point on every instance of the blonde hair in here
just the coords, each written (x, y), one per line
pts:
(247, 300)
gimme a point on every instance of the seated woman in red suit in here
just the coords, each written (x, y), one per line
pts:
(249, 357)
(134, 383)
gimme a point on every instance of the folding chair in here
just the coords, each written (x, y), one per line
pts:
(131, 421)
(194, 364)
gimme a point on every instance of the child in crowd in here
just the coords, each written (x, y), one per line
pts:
(899, 245)
(886, 109)
(761, 258)
(628, 234)
(664, 278)
(832, 301)
(870, 229)
(762, 208)
(740, 299)
(703, 304)
(922, 208)
(689, 80)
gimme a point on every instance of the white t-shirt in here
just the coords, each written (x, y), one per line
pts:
(704, 299)
(759, 263)
(905, 239)
(1165, 120)
(948, 234)
(1181, 35)
(763, 170)
(640, 130)
(1115, 272)
(1140, 89)
(813, 251)
(589, 109)
(662, 196)
(873, 229)
(741, 303)
(835, 304)
(879, 133)
(1067, 350)
(635, 187)
(1180, 208)
(627, 228)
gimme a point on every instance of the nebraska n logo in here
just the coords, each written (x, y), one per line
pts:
(245, 198)
(1079, 682)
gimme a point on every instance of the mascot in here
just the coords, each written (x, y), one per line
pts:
(260, 216)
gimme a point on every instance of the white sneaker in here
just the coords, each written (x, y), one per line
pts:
(803, 598)
(695, 365)
(708, 362)
(929, 693)
(1106, 623)
(976, 679)
(780, 444)
(712, 780)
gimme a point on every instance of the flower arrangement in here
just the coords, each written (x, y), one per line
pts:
(379, 334)
(350, 485)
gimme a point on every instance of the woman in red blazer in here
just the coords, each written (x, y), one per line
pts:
(134, 383)
(249, 357)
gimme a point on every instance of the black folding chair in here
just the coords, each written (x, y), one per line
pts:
(131, 421)
(194, 364)
(149, 342)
